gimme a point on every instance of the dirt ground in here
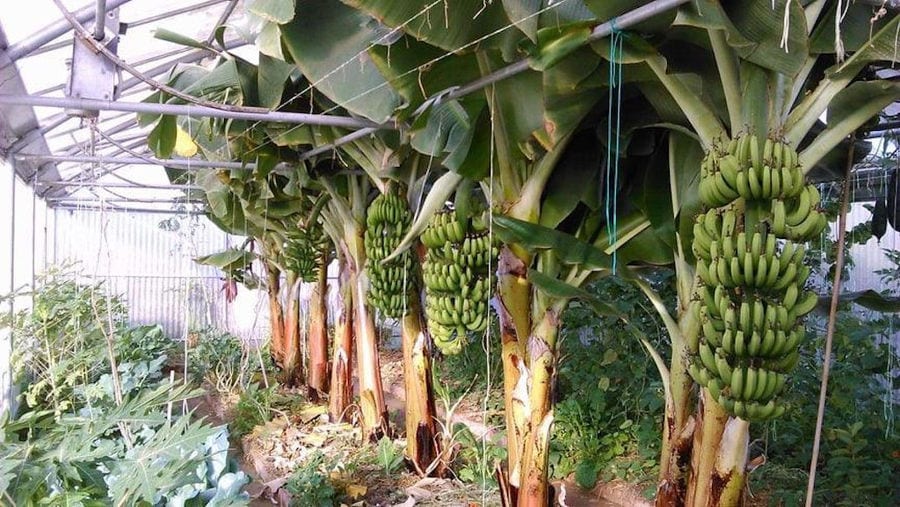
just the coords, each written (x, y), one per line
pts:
(272, 452)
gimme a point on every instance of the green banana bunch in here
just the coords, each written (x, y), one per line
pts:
(749, 249)
(457, 274)
(390, 283)
(302, 251)
(746, 170)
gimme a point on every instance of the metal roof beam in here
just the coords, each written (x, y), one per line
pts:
(174, 200)
(34, 41)
(192, 110)
(112, 184)
(221, 21)
(129, 210)
(180, 163)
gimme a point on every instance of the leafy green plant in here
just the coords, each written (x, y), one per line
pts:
(91, 434)
(389, 457)
(222, 360)
(610, 405)
(254, 407)
(477, 458)
(309, 485)
(857, 462)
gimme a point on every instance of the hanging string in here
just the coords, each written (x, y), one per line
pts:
(612, 137)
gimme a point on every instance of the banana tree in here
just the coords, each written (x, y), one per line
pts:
(317, 42)
(539, 165)
(758, 78)
(266, 203)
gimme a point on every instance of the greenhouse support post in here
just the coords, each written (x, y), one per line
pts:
(6, 398)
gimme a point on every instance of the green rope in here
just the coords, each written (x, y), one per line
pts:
(612, 144)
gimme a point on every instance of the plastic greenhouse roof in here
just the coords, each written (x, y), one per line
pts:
(27, 131)
(36, 48)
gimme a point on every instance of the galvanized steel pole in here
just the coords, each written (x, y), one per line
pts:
(191, 110)
(181, 163)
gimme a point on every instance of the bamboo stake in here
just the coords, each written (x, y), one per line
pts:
(832, 319)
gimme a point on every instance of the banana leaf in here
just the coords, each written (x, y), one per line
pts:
(328, 42)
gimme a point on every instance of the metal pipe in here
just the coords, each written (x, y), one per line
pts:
(175, 200)
(34, 41)
(191, 110)
(222, 19)
(179, 163)
(112, 184)
(173, 13)
(100, 21)
(129, 210)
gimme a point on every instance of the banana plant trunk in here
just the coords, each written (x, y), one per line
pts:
(371, 393)
(678, 425)
(535, 488)
(276, 314)
(422, 445)
(529, 355)
(292, 365)
(341, 393)
(317, 340)
(719, 460)
(513, 310)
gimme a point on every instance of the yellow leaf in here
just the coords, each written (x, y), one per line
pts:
(184, 145)
(355, 491)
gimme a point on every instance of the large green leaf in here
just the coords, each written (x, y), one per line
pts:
(869, 299)
(227, 260)
(856, 28)
(162, 138)
(418, 71)
(450, 26)
(574, 179)
(850, 109)
(272, 76)
(328, 42)
(569, 249)
(685, 155)
(571, 88)
(275, 11)
(754, 29)
(881, 47)
(514, 123)
(558, 289)
(524, 14)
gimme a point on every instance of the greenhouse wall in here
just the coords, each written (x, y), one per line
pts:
(24, 250)
(148, 259)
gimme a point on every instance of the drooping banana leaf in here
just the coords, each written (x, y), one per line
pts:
(450, 26)
(328, 42)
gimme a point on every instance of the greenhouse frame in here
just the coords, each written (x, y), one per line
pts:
(450, 252)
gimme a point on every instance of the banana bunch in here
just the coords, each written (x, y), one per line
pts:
(743, 170)
(798, 218)
(390, 284)
(302, 251)
(751, 298)
(456, 272)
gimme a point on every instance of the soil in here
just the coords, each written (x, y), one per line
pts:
(272, 452)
